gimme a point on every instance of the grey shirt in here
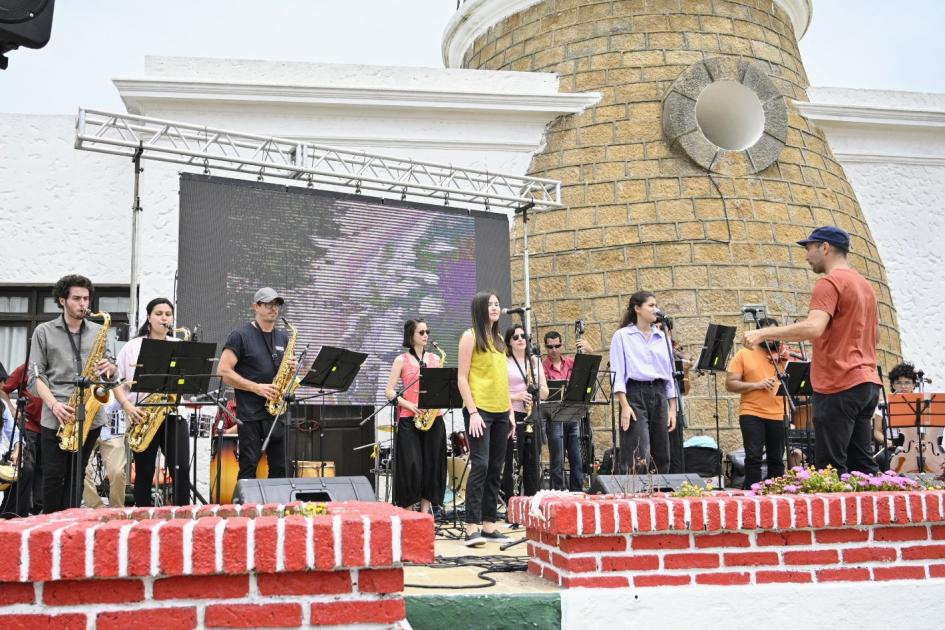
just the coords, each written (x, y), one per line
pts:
(53, 360)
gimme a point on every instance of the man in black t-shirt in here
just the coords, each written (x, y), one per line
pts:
(251, 357)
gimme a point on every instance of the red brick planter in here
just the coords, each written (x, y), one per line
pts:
(607, 541)
(212, 566)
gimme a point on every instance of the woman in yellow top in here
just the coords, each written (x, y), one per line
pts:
(487, 410)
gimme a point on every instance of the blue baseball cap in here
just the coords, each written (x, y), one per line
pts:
(829, 234)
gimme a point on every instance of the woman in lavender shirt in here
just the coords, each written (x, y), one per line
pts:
(644, 386)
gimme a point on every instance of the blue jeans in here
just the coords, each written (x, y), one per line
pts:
(565, 436)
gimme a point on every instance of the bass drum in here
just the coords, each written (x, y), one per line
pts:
(228, 459)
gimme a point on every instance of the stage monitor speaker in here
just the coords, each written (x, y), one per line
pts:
(322, 489)
(628, 484)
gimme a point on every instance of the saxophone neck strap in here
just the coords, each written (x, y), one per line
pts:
(76, 345)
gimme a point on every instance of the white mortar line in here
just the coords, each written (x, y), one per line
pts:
(580, 519)
(891, 500)
(188, 546)
(741, 515)
(722, 522)
(280, 544)
(56, 559)
(309, 543)
(652, 515)
(671, 514)
(251, 545)
(687, 514)
(336, 536)
(597, 518)
(155, 548)
(25, 554)
(123, 534)
(843, 512)
(218, 546)
(616, 517)
(634, 517)
(366, 523)
(395, 546)
(793, 513)
(90, 550)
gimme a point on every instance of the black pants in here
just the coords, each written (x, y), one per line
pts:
(61, 488)
(19, 498)
(762, 437)
(524, 446)
(421, 463)
(843, 428)
(677, 453)
(251, 434)
(486, 457)
(647, 439)
(171, 438)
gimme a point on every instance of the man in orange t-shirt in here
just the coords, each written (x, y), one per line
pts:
(751, 373)
(843, 322)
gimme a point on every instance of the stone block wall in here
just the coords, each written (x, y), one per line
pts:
(640, 213)
(215, 567)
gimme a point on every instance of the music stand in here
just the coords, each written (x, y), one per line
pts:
(797, 378)
(917, 411)
(176, 368)
(439, 389)
(714, 359)
(556, 391)
(335, 369)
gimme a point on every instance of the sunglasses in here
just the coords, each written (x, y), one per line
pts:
(517, 336)
(423, 332)
(551, 347)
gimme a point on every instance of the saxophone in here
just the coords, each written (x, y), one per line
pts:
(424, 420)
(141, 434)
(285, 381)
(95, 395)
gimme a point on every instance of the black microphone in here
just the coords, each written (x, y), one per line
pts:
(516, 311)
(660, 315)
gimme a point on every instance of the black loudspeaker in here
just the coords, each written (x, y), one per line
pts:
(627, 484)
(321, 489)
(25, 23)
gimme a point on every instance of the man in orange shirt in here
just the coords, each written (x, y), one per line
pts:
(843, 324)
(751, 373)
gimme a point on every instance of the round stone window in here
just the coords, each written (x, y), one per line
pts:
(726, 115)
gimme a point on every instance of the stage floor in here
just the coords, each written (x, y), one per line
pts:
(446, 575)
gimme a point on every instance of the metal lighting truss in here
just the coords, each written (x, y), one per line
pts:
(139, 137)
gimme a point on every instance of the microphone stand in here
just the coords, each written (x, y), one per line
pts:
(287, 398)
(667, 326)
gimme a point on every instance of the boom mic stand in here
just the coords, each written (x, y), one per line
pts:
(715, 351)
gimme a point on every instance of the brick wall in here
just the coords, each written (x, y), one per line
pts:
(640, 214)
(588, 541)
(215, 567)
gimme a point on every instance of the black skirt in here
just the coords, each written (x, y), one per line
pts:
(420, 466)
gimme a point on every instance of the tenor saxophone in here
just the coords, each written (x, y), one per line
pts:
(424, 420)
(95, 395)
(285, 382)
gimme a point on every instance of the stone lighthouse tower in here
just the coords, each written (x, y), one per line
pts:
(693, 175)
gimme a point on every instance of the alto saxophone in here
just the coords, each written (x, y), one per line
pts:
(285, 382)
(141, 434)
(95, 395)
(424, 420)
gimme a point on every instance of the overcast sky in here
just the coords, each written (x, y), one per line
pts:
(875, 44)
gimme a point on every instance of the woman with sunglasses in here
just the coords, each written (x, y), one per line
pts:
(521, 393)
(420, 457)
(483, 381)
(643, 373)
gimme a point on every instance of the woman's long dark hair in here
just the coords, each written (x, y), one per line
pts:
(637, 299)
(145, 329)
(508, 338)
(487, 334)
